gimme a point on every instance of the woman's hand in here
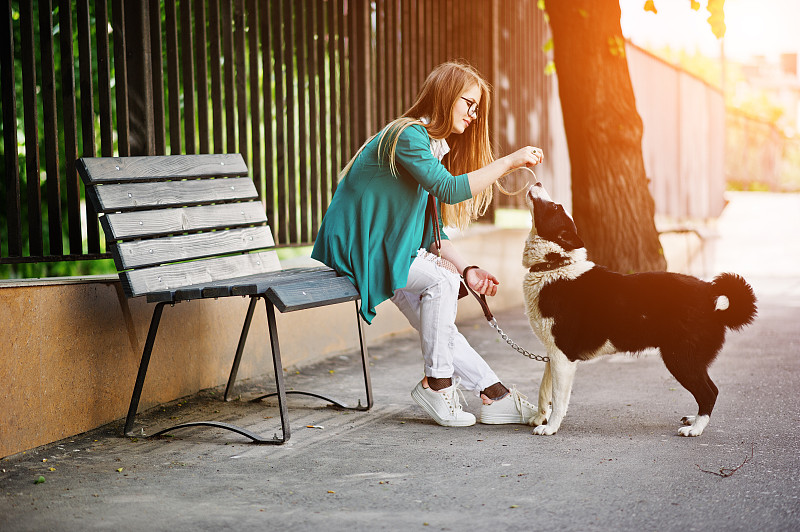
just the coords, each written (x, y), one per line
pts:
(482, 281)
(486, 176)
(527, 156)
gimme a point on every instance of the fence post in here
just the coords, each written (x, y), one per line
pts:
(11, 169)
(140, 78)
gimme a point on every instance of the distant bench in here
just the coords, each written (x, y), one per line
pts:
(184, 227)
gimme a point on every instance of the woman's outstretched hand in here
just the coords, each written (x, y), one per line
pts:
(482, 281)
(484, 177)
(527, 156)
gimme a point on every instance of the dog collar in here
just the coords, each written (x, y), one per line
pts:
(550, 265)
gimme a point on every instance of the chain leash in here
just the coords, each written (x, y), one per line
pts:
(493, 322)
(521, 350)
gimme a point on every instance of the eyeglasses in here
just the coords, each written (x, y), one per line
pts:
(472, 107)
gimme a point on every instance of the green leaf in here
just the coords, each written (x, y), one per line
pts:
(616, 46)
(717, 18)
(39, 480)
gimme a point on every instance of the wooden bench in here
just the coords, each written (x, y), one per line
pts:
(185, 227)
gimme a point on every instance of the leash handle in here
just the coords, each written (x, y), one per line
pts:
(524, 187)
(480, 297)
(432, 212)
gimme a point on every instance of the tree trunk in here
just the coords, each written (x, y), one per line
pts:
(612, 205)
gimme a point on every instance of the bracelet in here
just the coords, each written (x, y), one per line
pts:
(468, 268)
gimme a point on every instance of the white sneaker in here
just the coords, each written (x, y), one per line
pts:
(513, 408)
(443, 406)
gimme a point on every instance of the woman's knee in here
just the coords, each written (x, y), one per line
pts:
(446, 286)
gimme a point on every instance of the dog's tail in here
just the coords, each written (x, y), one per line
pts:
(735, 300)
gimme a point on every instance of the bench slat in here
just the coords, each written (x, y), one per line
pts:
(174, 276)
(242, 286)
(260, 284)
(139, 196)
(153, 251)
(307, 294)
(96, 170)
(127, 225)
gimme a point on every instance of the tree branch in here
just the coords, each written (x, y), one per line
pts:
(725, 472)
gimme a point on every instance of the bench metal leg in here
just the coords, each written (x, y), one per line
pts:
(148, 349)
(280, 385)
(137, 392)
(240, 349)
(364, 360)
(279, 380)
(278, 367)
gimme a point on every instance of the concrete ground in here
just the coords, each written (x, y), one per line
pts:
(616, 464)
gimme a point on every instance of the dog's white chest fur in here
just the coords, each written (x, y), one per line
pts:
(536, 251)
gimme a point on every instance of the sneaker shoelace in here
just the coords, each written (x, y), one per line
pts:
(455, 405)
(521, 401)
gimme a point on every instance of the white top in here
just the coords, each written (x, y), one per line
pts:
(439, 147)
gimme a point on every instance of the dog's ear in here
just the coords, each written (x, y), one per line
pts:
(569, 240)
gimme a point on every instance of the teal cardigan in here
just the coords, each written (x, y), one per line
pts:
(376, 221)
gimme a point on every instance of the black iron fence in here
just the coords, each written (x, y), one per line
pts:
(295, 86)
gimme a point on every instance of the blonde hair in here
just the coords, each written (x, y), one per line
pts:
(469, 151)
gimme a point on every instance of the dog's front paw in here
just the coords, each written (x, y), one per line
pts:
(538, 419)
(544, 430)
(697, 426)
(690, 431)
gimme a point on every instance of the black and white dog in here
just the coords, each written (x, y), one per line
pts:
(580, 310)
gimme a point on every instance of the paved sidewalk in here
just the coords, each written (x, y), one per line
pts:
(616, 464)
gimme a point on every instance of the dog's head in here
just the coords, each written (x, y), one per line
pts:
(550, 220)
(553, 232)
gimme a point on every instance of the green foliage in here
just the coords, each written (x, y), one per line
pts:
(739, 94)
(708, 69)
(37, 270)
(759, 104)
(789, 179)
(747, 186)
(616, 46)
(716, 19)
(27, 147)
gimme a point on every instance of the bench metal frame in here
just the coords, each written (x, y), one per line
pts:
(280, 387)
(287, 290)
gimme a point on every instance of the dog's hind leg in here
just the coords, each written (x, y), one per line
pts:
(700, 385)
(690, 420)
(562, 373)
(545, 397)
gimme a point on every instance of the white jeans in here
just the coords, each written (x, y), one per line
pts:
(429, 301)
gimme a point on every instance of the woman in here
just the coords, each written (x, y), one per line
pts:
(376, 233)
